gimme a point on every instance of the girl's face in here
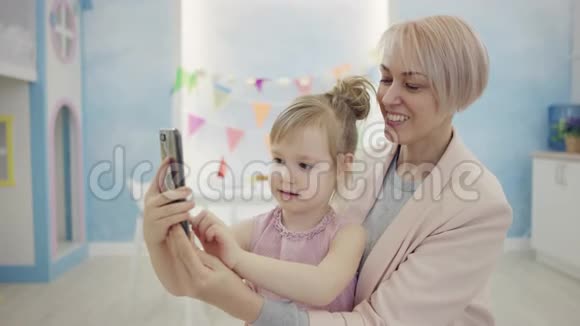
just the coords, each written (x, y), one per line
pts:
(303, 175)
(408, 104)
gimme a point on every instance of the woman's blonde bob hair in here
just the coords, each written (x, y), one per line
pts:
(445, 49)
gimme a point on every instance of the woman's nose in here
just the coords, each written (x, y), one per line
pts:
(391, 95)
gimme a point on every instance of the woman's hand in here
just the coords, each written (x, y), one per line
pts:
(202, 276)
(217, 238)
(160, 212)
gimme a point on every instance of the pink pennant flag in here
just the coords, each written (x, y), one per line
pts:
(195, 123)
(234, 137)
(260, 83)
(304, 85)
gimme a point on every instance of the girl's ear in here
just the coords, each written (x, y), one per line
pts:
(345, 162)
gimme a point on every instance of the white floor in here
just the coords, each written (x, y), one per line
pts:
(97, 293)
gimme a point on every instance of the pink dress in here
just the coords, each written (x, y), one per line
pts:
(271, 238)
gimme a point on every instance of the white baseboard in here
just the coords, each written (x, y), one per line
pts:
(128, 248)
(517, 244)
(114, 249)
(558, 264)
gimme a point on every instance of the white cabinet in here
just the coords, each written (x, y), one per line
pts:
(556, 210)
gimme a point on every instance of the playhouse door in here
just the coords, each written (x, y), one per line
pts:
(64, 165)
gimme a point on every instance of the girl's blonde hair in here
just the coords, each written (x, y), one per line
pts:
(335, 112)
(448, 51)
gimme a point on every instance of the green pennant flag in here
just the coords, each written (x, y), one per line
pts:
(192, 82)
(184, 79)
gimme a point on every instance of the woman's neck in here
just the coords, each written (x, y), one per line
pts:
(416, 158)
(299, 221)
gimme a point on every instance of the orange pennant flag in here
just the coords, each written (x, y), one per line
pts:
(339, 71)
(261, 110)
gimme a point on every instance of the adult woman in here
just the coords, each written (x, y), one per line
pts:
(435, 217)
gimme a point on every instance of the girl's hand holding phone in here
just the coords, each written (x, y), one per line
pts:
(217, 238)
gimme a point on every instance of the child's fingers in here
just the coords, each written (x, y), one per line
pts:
(197, 219)
(197, 233)
(205, 223)
(210, 234)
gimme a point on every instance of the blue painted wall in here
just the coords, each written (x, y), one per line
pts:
(128, 71)
(529, 43)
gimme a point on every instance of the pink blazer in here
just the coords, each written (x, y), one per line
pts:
(432, 265)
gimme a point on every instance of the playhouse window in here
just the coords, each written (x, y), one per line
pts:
(6, 152)
(64, 31)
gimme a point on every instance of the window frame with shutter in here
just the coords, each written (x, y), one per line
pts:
(7, 153)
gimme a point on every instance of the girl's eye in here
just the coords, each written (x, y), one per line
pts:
(305, 166)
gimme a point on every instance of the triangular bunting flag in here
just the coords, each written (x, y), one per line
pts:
(192, 82)
(260, 83)
(222, 169)
(184, 79)
(283, 81)
(339, 71)
(194, 124)
(179, 80)
(261, 111)
(304, 85)
(234, 137)
(220, 95)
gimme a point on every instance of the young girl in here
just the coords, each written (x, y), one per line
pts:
(301, 250)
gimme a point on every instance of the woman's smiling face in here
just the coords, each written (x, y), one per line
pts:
(408, 103)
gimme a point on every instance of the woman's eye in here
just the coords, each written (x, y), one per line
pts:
(277, 160)
(305, 166)
(413, 87)
(387, 81)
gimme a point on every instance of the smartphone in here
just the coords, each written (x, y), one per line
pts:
(170, 140)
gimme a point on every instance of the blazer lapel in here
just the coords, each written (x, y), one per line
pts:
(392, 246)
